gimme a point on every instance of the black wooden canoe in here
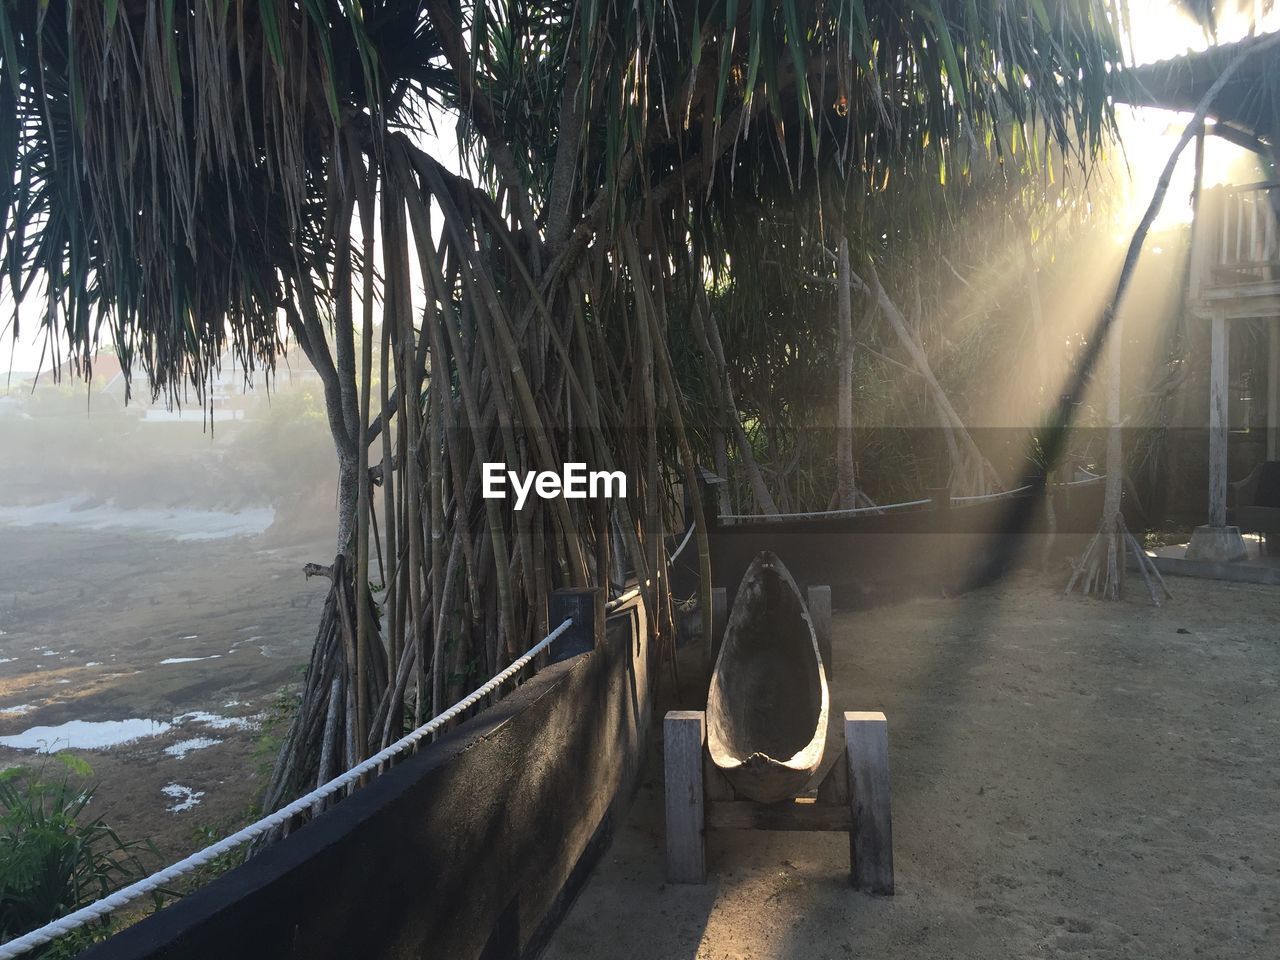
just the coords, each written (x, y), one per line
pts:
(767, 707)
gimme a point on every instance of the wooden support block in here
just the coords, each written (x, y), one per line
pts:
(803, 813)
(820, 614)
(683, 734)
(715, 785)
(719, 617)
(866, 738)
(586, 608)
(834, 787)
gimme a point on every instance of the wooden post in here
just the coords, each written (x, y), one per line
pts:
(820, 613)
(1273, 389)
(941, 497)
(1218, 420)
(711, 489)
(719, 617)
(866, 737)
(586, 607)
(602, 544)
(941, 506)
(683, 735)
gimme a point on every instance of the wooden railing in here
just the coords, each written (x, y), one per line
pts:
(1238, 240)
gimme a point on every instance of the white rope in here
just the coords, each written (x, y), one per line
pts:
(991, 496)
(683, 543)
(852, 511)
(972, 498)
(108, 904)
(1091, 478)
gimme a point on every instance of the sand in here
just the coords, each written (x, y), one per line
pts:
(156, 653)
(1071, 778)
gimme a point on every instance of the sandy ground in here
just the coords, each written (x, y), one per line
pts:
(1070, 778)
(87, 619)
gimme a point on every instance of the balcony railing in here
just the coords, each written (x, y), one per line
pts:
(1238, 241)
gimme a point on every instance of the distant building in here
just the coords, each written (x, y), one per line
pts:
(1234, 267)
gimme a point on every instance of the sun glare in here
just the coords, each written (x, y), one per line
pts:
(1160, 30)
(1147, 138)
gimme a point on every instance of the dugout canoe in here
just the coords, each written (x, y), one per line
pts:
(768, 702)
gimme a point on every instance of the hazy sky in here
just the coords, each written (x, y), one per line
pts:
(24, 354)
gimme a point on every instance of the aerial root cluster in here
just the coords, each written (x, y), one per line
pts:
(1100, 572)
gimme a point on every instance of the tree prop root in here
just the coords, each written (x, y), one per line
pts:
(1100, 571)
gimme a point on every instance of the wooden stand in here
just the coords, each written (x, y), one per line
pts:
(853, 797)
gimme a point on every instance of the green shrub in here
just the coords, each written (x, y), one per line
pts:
(53, 860)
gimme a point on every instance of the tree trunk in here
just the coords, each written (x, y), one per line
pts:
(846, 478)
(971, 473)
(1101, 571)
(713, 350)
(724, 503)
(348, 497)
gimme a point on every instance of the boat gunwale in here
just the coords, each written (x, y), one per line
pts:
(807, 759)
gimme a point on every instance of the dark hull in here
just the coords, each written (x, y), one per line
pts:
(768, 703)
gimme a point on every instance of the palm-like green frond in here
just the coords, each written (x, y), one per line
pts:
(192, 176)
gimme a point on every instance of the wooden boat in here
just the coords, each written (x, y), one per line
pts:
(767, 707)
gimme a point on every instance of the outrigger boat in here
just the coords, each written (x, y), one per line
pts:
(768, 703)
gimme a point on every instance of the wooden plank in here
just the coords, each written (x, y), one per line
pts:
(1273, 390)
(803, 813)
(1225, 216)
(1218, 426)
(1268, 231)
(834, 787)
(1234, 289)
(715, 786)
(1238, 210)
(684, 733)
(1255, 252)
(871, 831)
(820, 613)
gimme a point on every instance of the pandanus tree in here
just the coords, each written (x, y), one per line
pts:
(199, 175)
(943, 338)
